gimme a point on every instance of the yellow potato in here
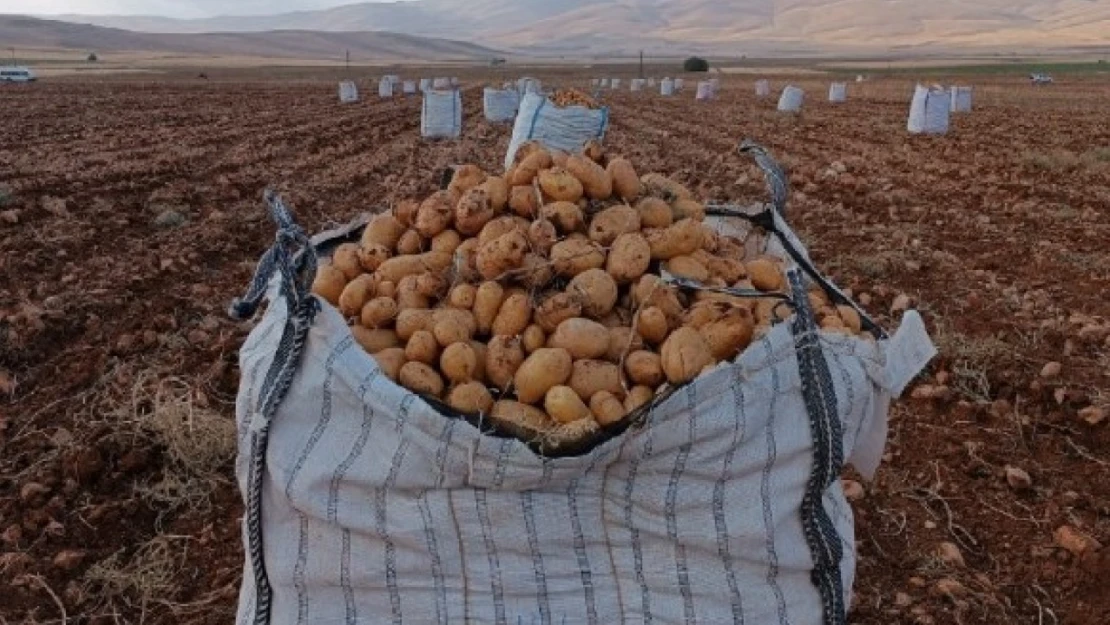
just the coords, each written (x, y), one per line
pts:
(390, 361)
(588, 377)
(462, 296)
(374, 341)
(685, 353)
(556, 309)
(850, 318)
(473, 212)
(435, 214)
(564, 405)
(410, 243)
(501, 255)
(645, 368)
(703, 313)
(458, 362)
(384, 230)
(372, 256)
(504, 356)
(526, 149)
(582, 338)
(593, 150)
(524, 201)
(421, 379)
(687, 267)
(379, 313)
(479, 351)
(422, 347)
(688, 209)
(533, 338)
(652, 291)
(612, 222)
(497, 189)
(544, 368)
(530, 167)
(665, 187)
(597, 291)
(682, 238)
(626, 183)
(432, 285)
(559, 158)
(560, 185)
(448, 331)
(638, 397)
(595, 180)
(487, 303)
(466, 178)
(766, 275)
(622, 341)
(730, 270)
(329, 283)
(654, 213)
(521, 420)
(409, 295)
(355, 295)
(769, 311)
(470, 398)
(345, 258)
(606, 408)
(566, 216)
(542, 235)
(405, 212)
(514, 316)
(534, 272)
(447, 242)
(496, 228)
(396, 268)
(629, 258)
(571, 257)
(729, 336)
(652, 325)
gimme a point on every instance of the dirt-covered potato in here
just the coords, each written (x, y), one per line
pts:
(524, 201)
(372, 256)
(422, 347)
(479, 351)
(730, 335)
(374, 341)
(390, 361)
(560, 185)
(622, 340)
(503, 254)
(769, 311)
(582, 338)
(680, 239)
(765, 274)
(462, 296)
(470, 398)
(504, 356)
(498, 227)
(527, 170)
(645, 368)
(431, 285)
(355, 295)
(405, 212)
(652, 324)
(449, 330)
(542, 235)
(379, 313)
(559, 158)
(544, 368)
(345, 258)
(597, 291)
(564, 405)
(446, 242)
(383, 229)
(534, 272)
(466, 178)
(662, 186)
(435, 214)
(473, 212)
(685, 353)
(458, 362)
(487, 303)
(514, 315)
(626, 183)
(687, 267)
(557, 308)
(329, 283)
(523, 420)
(409, 295)
(850, 318)
(588, 377)
(497, 188)
(620, 316)
(420, 378)
(650, 290)
(688, 209)
(612, 222)
(629, 258)
(533, 338)
(606, 408)
(703, 312)
(566, 216)
(595, 180)
(638, 397)
(571, 257)
(396, 268)
(412, 320)
(654, 213)
(387, 289)
(730, 270)
(593, 150)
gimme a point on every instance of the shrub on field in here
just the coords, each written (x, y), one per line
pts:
(695, 64)
(92, 58)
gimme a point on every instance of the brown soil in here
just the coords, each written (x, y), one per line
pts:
(107, 320)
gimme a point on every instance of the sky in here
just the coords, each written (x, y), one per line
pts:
(166, 8)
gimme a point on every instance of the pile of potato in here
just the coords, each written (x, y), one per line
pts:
(573, 97)
(534, 298)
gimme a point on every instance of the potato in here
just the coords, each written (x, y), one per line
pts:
(622, 341)
(405, 212)
(688, 209)
(582, 338)
(687, 267)
(544, 368)
(606, 408)
(682, 238)
(498, 227)
(729, 336)
(629, 258)
(514, 316)
(703, 312)
(638, 397)
(530, 166)
(329, 283)
(571, 257)
(390, 361)
(446, 242)
(658, 184)
(834, 323)
(431, 285)
(412, 320)
(769, 311)
(557, 308)
(383, 229)
(409, 295)
(684, 355)
(596, 182)
(522, 420)
(730, 270)
(422, 347)
(480, 352)
(564, 405)
(559, 158)
(501, 255)
(504, 355)
(654, 213)
(597, 290)
(487, 303)
(473, 212)
(371, 256)
(765, 274)
(533, 338)
(448, 331)
(566, 216)
(652, 324)
(497, 189)
(626, 183)
(421, 379)
(345, 258)
(466, 178)
(644, 368)
(612, 222)
(434, 214)
(458, 362)
(396, 268)
(464, 318)
(355, 295)
(652, 291)
(593, 150)
(524, 201)
(850, 318)
(535, 272)
(464, 261)
(374, 341)
(470, 398)
(560, 185)
(410, 243)
(542, 236)
(587, 377)
(379, 313)
(526, 149)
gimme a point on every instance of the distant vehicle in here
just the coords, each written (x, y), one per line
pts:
(11, 73)
(1040, 79)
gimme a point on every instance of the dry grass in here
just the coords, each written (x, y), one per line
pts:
(1060, 160)
(150, 576)
(971, 358)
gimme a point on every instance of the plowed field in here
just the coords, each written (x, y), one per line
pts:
(131, 214)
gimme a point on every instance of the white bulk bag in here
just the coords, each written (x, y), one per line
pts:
(637, 84)
(715, 83)
(704, 92)
(838, 92)
(679, 83)
(762, 88)
(791, 99)
(385, 88)
(566, 129)
(929, 111)
(528, 85)
(425, 84)
(441, 83)
(348, 92)
(408, 87)
(616, 83)
(365, 503)
(666, 87)
(441, 114)
(500, 104)
(960, 100)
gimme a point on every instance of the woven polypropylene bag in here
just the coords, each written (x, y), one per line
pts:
(791, 99)
(960, 99)
(566, 129)
(441, 115)
(348, 92)
(762, 88)
(929, 111)
(500, 105)
(838, 92)
(705, 91)
(666, 87)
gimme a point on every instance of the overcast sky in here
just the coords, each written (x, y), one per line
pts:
(168, 8)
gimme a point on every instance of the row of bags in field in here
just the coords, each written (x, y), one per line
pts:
(391, 85)
(375, 489)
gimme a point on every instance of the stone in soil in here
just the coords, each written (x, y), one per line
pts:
(1075, 542)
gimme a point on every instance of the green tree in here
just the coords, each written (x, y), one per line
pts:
(695, 64)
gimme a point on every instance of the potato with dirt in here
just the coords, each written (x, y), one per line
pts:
(560, 185)
(596, 182)
(421, 379)
(329, 283)
(626, 184)
(385, 230)
(504, 355)
(582, 338)
(435, 214)
(571, 257)
(597, 290)
(684, 355)
(541, 370)
(612, 222)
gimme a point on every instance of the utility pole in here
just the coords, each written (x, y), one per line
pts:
(348, 62)
(13, 55)
(641, 63)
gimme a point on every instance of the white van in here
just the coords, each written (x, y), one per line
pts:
(12, 73)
